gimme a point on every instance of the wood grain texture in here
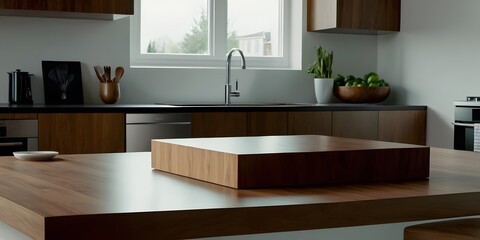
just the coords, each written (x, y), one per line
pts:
(321, 14)
(219, 124)
(266, 123)
(211, 166)
(403, 126)
(79, 6)
(74, 133)
(319, 123)
(230, 124)
(118, 196)
(381, 15)
(355, 124)
(461, 229)
(18, 116)
(26, 221)
(367, 16)
(356, 94)
(281, 161)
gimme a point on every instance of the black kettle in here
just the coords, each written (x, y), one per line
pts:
(19, 87)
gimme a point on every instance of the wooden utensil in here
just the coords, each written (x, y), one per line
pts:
(99, 73)
(107, 73)
(118, 74)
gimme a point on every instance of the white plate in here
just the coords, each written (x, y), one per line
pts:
(35, 155)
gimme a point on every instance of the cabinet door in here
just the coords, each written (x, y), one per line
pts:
(403, 126)
(79, 6)
(74, 133)
(354, 16)
(266, 123)
(355, 124)
(319, 123)
(219, 124)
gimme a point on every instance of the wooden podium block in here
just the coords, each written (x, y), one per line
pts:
(286, 161)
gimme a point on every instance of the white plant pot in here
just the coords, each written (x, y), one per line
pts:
(323, 89)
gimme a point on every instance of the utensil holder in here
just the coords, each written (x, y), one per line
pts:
(109, 92)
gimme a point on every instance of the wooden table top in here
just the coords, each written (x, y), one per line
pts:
(285, 144)
(119, 196)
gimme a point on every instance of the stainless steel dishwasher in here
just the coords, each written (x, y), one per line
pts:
(142, 128)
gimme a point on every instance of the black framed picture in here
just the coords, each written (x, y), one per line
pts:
(62, 82)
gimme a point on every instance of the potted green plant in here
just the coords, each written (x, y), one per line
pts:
(322, 67)
(322, 71)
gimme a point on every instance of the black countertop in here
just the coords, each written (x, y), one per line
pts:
(172, 108)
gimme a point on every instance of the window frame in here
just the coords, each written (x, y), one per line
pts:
(217, 46)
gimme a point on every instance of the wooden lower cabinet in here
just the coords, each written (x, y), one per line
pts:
(219, 124)
(403, 126)
(231, 124)
(301, 123)
(355, 124)
(266, 123)
(18, 116)
(75, 133)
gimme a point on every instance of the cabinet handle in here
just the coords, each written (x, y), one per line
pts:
(11, 144)
(463, 124)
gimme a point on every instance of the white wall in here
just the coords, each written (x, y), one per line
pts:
(434, 60)
(25, 42)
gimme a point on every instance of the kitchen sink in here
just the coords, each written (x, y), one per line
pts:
(231, 105)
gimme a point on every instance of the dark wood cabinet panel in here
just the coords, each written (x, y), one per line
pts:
(78, 6)
(403, 126)
(18, 116)
(230, 124)
(300, 123)
(219, 124)
(266, 123)
(355, 124)
(354, 16)
(74, 133)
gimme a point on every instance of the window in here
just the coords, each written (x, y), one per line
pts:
(180, 28)
(198, 33)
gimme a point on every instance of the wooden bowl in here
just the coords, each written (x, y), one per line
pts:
(361, 94)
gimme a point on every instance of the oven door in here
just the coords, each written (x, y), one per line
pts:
(10, 145)
(463, 136)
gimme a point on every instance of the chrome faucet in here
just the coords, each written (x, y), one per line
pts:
(228, 86)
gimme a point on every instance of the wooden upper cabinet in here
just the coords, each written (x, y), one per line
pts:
(354, 16)
(49, 8)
